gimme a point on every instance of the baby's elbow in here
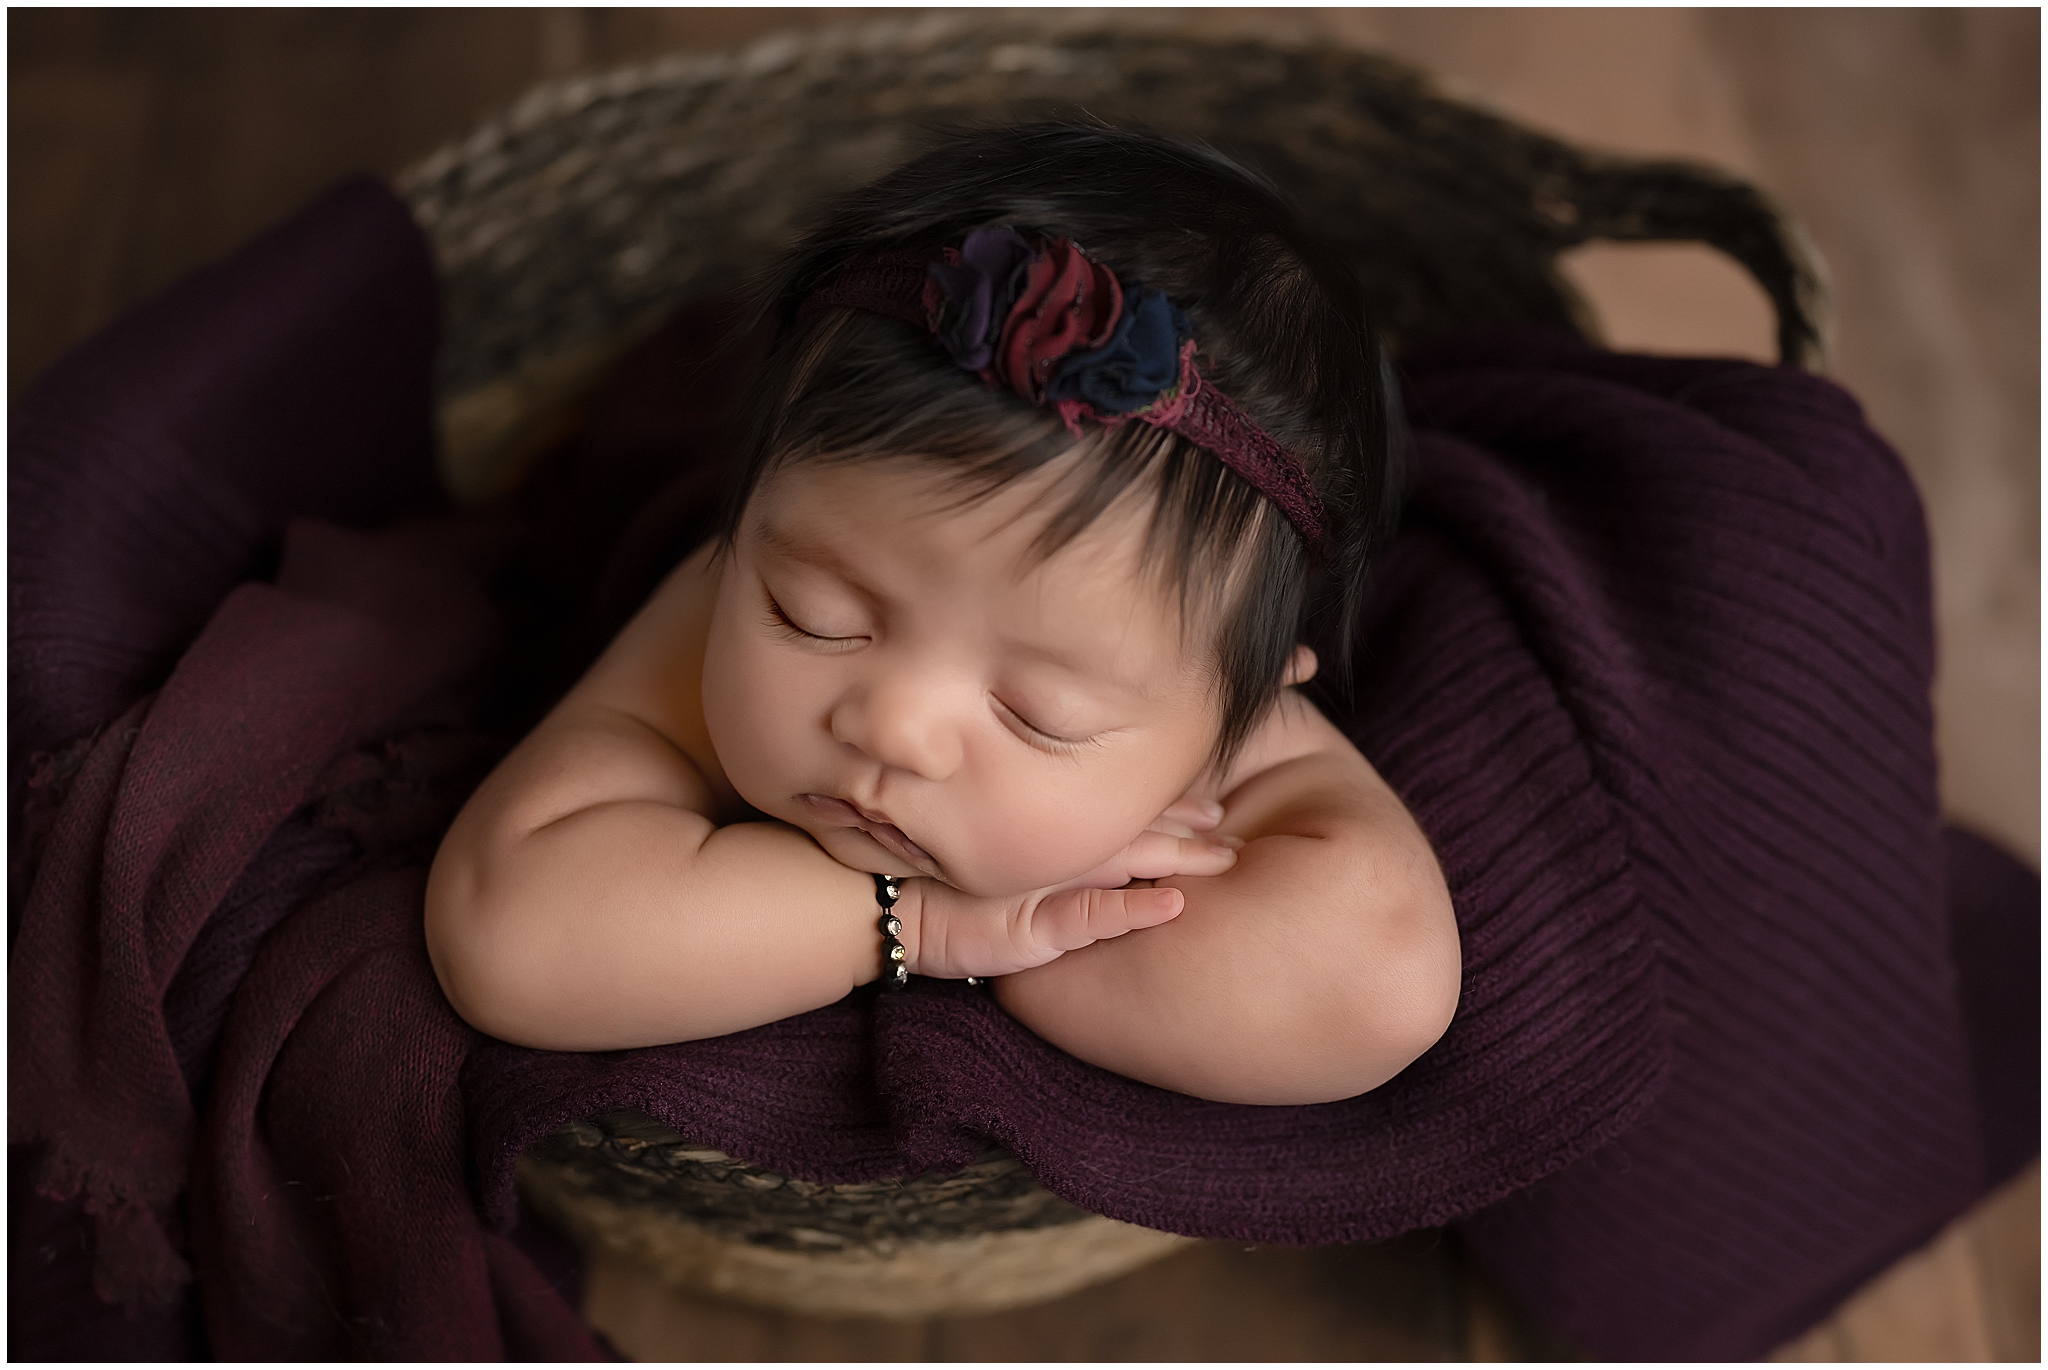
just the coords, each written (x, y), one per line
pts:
(1383, 1032)
(474, 960)
(1419, 1002)
(1405, 995)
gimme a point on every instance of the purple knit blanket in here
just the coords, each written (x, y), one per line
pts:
(1649, 662)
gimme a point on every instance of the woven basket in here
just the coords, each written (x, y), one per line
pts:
(979, 1239)
(567, 225)
(570, 224)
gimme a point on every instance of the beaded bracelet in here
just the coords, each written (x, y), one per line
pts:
(895, 973)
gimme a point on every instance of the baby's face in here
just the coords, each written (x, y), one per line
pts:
(894, 676)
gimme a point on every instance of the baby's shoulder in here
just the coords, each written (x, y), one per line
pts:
(1293, 729)
(652, 673)
(662, 645)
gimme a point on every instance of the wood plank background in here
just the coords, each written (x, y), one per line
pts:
(142, 143)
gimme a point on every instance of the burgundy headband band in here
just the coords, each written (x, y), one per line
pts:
(1058, 328)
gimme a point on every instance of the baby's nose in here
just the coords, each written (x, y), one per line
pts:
(903, 723)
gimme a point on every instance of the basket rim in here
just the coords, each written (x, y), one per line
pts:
(557, 98)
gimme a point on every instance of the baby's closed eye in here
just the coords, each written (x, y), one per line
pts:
(811, 626)
(1045, 737)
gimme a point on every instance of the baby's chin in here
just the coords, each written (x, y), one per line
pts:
(855, 849)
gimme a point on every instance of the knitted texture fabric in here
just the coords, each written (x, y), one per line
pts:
(1648, 662)
(269, 1100)
(1726, 574)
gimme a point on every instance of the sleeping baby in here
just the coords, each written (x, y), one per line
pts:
(1069, 439)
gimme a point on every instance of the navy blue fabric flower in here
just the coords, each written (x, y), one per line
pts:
(979, 284)
(1141, 358)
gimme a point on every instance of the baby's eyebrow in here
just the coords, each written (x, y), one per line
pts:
(799, 548)
(818, 554)
(1088, 665)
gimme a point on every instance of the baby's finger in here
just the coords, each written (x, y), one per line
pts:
(1200, 815)
(1076, 918)
(1156, 855)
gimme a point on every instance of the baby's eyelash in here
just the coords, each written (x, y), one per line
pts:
(1050, 742)
(778, 618)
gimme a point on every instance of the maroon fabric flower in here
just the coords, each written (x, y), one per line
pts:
(1068, 304)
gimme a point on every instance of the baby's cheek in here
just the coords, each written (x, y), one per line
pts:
(745, 717)
(1049, 836)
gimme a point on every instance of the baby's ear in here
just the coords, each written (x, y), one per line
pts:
(1301, 666)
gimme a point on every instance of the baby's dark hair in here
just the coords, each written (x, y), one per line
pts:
(1282, 330)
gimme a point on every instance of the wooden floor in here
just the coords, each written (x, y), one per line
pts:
(142, 143)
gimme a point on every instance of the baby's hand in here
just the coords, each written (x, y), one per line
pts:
(958, 935)
(1169, 847)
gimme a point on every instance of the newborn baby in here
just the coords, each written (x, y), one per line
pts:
(1068, 438)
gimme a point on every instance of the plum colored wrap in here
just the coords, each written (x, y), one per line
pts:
(1649, 662)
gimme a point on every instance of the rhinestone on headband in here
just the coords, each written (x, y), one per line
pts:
(1056, 327)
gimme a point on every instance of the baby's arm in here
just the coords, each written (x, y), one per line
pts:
(1316, 968)
(585, 899)
(589, 897)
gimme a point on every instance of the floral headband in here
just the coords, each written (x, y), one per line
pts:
(1052, 324)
